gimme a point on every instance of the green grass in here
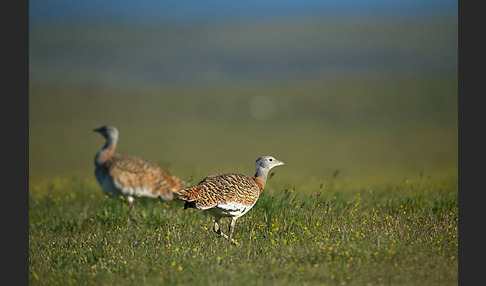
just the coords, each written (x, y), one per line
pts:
(368, 194)
(401, 234)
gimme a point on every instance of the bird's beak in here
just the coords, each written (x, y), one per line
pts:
(97, 129)
(280, 163)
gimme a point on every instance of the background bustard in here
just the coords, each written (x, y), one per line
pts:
(129, 176)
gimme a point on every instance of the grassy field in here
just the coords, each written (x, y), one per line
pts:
(368, 195)
(404, 234)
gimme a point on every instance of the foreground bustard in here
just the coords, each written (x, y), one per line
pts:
(229, 195)
(129, 176)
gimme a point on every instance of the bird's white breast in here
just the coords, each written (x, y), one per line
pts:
(229, 209)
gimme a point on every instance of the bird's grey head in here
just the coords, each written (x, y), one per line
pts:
(108, 131)
(267, 163)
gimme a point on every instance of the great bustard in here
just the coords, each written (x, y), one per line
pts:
(229, 195)
(129, 176)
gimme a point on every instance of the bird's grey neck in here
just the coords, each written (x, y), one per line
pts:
(107, 151)
(262, 174)
(110, 143)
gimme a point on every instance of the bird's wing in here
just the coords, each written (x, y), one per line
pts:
(222, 189)
(130, 171)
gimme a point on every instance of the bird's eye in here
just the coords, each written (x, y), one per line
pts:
(270, 159)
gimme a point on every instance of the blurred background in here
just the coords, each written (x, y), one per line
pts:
(367, 90)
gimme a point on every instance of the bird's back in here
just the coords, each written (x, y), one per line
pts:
(134, 176)
(221, 189)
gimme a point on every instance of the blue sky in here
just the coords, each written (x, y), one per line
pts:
(184, 10)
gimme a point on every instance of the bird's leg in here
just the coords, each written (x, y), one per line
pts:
(130, 200)
(217, 229)
(130, 208)
(231, 229)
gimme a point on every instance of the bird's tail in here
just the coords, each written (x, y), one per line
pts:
(188, 194)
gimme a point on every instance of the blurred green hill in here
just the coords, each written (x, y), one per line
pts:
(96, 54)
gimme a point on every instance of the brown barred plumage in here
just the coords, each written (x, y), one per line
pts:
(129, 176)
(221, 188)
(229, 195)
